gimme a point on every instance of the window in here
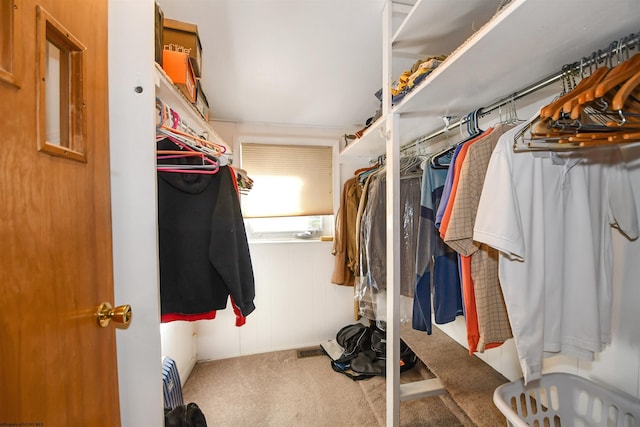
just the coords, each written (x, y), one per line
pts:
(61, 121)
(289, 228)
(292, 193)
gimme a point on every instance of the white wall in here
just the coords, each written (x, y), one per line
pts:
(296, 305)
(179, 343)
(133, 189)
(236, 133)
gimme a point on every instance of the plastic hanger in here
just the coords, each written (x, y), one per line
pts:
(166, 114)
(410, 167)
(442, 159)
(206, 163)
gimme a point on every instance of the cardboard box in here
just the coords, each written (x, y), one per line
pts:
(202, 104)
(178, 67)
(186, 35)
(158, 34)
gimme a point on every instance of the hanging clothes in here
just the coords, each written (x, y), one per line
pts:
(550, 215)
(345, 249)
(203, 248)
(446, 189)
(454, 171)
(487, 320)
(437, 277)
(344, 243)
(464, 262)
(364, 296)
(372, 282)
(448, 184)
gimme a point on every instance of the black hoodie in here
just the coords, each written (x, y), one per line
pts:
(204, 253)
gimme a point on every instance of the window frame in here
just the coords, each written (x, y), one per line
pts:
(310, 141)
(71, 89)
(11, 41)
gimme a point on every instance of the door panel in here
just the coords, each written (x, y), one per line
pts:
(58, 366)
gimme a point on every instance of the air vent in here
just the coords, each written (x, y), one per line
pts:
(310, 352)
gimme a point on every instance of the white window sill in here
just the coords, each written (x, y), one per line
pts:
(286, 240)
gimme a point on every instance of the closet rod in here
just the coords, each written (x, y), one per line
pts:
(629, 42)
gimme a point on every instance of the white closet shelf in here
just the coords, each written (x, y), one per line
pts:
(374, 141)
(526, 42)
(448, 27)
(171, 95)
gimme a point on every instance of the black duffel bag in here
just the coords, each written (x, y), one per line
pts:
(189, 415)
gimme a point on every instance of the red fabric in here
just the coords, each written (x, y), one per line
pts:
(469, 300)
(172, 317)
(240, 319)
(234, 177)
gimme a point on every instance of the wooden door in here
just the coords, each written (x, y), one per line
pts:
(57, 366)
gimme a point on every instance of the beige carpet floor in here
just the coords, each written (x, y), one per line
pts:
(282, 389)
(469, 381)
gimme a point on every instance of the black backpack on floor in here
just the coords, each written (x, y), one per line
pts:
(365, 352)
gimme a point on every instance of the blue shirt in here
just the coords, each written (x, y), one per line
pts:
(436, 263)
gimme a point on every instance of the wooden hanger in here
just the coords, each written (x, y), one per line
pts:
(555, 108)
(366, 169)
(602, 109)
(603, 117)
(613, 78)
(546, 110)
(589, 95)
(572, 98)
(627, 70)
(587, 92)
(621, 96)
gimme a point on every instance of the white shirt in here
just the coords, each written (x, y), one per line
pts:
(550, 216)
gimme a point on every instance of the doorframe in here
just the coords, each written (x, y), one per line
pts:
(134, 208)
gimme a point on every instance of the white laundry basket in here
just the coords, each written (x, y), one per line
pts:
(567, 400)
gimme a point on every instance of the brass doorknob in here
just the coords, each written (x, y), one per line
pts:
(120, 315)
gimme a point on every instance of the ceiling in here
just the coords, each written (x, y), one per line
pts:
(288, 62)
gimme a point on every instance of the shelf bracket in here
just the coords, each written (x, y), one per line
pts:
(384, 133)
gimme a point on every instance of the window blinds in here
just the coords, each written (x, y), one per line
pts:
(289, 180)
